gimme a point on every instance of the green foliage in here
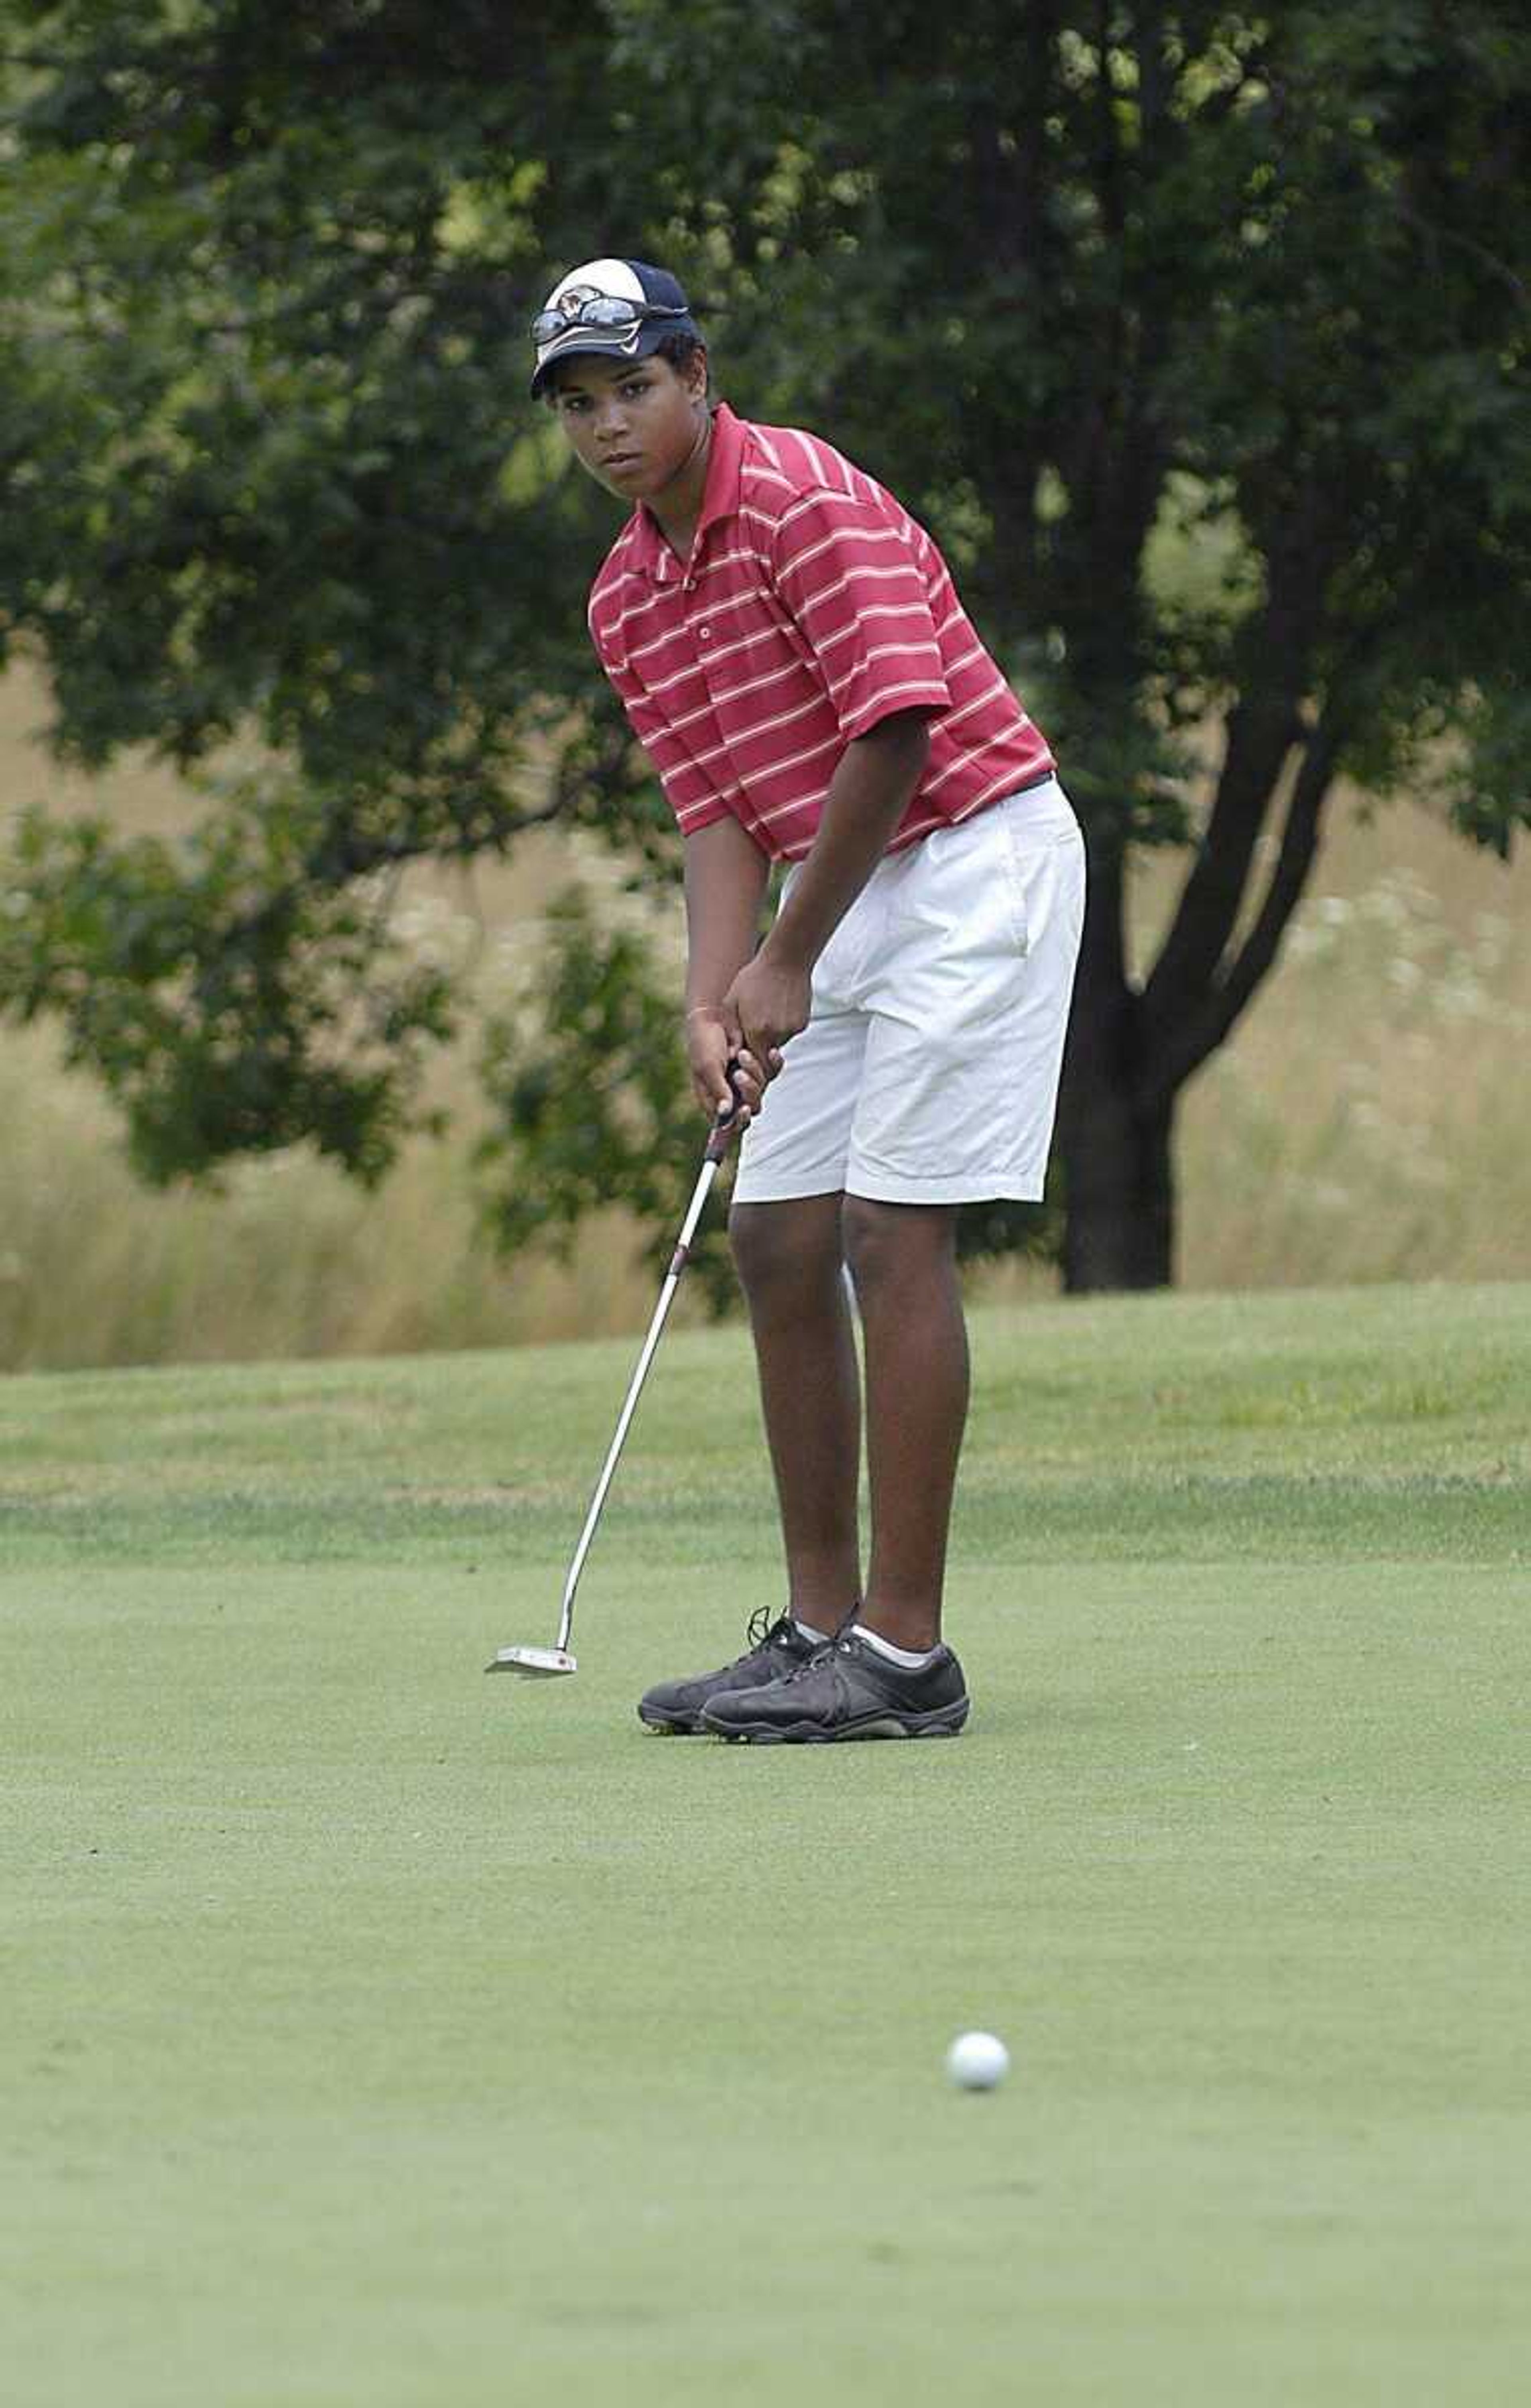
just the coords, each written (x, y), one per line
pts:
(265, 473)
(231, 1002)
(593, 1102)
(1200, 337)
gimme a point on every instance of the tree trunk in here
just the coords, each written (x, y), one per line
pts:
(1119, 1189)
(1119, 1186)
(1130, 1053)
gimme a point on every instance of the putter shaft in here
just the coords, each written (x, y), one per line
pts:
(666, 1296)
(516, 1659)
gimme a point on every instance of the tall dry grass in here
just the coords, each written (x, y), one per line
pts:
(1371, 1119)
(1367, 1120)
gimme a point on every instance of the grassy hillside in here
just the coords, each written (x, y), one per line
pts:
(1363, 1125)
(378, 2034)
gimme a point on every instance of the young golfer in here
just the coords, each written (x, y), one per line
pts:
(790, 652)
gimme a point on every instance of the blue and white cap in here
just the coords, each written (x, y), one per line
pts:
(618, 309)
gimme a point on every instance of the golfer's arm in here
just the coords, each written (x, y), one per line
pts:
(726, 874)
(868, 794)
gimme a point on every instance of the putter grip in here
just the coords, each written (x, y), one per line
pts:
(722, 1128)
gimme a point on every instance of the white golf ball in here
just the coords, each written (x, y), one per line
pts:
(977, 2060)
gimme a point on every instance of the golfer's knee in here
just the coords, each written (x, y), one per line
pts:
(778, 1251)
(890, 1246)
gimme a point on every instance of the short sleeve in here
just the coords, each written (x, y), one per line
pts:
(850, 576)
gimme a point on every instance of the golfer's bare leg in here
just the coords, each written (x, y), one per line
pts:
(788, 1258)
(902, 1258)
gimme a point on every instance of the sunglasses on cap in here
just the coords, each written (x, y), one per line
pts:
(606, 310)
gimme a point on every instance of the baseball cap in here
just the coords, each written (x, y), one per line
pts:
(618, 309)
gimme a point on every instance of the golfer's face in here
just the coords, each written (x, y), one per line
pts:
(634, 424)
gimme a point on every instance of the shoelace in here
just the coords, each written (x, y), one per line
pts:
(761, 1631)
(819, 1655)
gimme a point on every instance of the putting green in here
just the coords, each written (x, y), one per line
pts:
(378, 2033)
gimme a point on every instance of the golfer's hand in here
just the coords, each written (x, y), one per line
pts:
(713, 1054)
(767, 1003)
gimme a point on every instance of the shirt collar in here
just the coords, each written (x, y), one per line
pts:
(719, 500)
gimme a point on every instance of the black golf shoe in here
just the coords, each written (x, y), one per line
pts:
(846, 1690)
(774, 1649)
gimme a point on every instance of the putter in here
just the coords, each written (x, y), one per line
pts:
(546, 1663)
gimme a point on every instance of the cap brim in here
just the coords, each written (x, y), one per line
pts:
(587, 342)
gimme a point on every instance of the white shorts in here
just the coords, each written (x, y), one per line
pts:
(928, 1071)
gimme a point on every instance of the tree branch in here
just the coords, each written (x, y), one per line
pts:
(1263, 727)
(342, 856)
(1261, 733)
(1181, 1050)
(1154, 82)
(1436, 235)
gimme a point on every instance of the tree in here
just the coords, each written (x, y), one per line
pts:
(1101, 290)
(269, 473)
(1091, 283)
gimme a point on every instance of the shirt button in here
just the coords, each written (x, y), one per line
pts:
(703, 632)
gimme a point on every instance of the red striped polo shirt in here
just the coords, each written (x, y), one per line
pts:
(811, 607)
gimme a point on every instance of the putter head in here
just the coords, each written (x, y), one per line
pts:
(534, 1663)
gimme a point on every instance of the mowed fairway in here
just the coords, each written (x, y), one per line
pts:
(377, 2035)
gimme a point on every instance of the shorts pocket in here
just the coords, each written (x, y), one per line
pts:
(1033, 840)
(962, 892)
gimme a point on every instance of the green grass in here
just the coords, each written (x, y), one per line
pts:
(375, 2033)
